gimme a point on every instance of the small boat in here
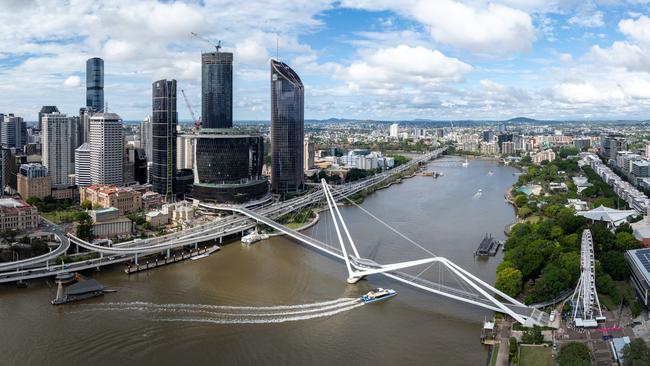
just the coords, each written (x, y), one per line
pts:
(490, 173)
(378, 294)
(478, 194)
(465, 164)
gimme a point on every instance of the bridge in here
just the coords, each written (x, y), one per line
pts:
(472, 290)
(475, 292)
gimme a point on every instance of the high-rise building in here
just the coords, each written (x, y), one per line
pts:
(508, 147)
(46, 109)
(57, 136)
(184, 153)
(228, 166)
(145, 137)
(139, 160)
(9, 170)
(163, 126)
(106, 148)
(309, 154)
(287, 128)
(393, 130)
(33, 180)
(82, 165)
(76, 139)
(13, 131)
(84, 128)
(216, 90)
(95, 84)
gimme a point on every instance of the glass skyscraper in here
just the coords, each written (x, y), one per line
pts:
(95, 84)
(216, 90)
(287, 128)
(163, 137)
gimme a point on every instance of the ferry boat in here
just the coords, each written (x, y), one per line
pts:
(378, 294)
(253, 237)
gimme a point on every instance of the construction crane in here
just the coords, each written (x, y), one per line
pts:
(198, 36)
(197, 122)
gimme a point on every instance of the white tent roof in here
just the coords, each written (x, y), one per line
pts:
(603, 213)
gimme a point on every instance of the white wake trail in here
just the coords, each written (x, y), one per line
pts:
(263, 321)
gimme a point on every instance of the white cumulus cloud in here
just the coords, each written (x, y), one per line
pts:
(72, 81)
(390, 69)
(481, 27)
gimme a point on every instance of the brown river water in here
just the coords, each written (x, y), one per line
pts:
(280, 303)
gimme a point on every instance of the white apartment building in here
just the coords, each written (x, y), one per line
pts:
(106, 149)
(82, 165)
(394, 130)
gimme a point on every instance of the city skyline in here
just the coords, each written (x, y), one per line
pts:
(546, 60)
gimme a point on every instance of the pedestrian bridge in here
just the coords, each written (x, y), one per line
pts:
(472, 290)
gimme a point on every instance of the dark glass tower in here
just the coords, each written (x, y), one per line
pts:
(163, 137)
(216, 90)
(287, 128)
(95, 84)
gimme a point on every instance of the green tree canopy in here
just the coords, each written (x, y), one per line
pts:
(614, 263)
(574, 354)
(637, 353)
(509, 280)
(532, 336)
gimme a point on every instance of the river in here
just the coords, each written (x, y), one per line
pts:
(279, 303)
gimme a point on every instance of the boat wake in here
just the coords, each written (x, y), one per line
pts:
(221, 314)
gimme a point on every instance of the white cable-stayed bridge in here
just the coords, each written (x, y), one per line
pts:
(467, 288)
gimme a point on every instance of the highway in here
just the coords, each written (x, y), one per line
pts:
(222, 227)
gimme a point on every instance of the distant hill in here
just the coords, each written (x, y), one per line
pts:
(522, 120)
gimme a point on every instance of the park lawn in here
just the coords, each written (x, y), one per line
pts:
(59, 217)
(607, 302)
(533, 219)
(493, 357)
(535, 356)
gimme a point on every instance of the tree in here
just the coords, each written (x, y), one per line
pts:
(509, 280)
(85, 227)
(356, 174)
(625, 227)
(614, 263)
(86, 205)
(512, 347)
(574, 354)
(626, 241)
(532, 335)
(39, 246)
(636, 353)
(524, 212)
(521, 200)
(34, 201)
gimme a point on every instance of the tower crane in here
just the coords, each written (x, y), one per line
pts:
(198, 36)
(197, 122)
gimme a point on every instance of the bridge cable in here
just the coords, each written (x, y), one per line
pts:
(391, 228)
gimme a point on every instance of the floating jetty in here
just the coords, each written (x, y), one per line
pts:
(489, 246)
(84, 289)
(158, 262)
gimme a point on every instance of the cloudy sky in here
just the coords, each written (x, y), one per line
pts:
(375, 59)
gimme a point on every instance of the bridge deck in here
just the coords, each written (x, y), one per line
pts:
(535, 315)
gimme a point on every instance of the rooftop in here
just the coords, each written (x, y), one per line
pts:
(603, 213)
(13, 203)
(641, 259)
